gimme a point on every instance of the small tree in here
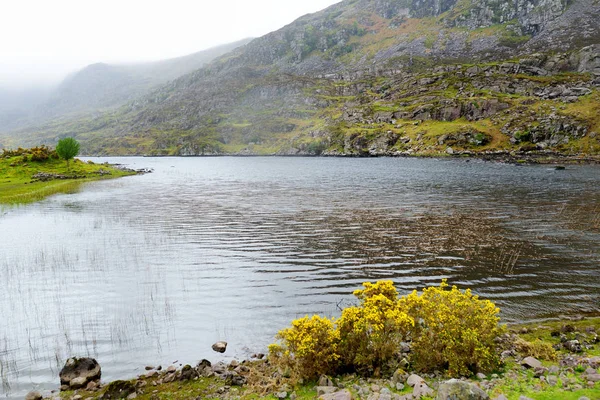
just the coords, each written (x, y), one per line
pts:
(67, 149)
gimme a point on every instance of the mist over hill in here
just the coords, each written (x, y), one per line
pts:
(97, 87)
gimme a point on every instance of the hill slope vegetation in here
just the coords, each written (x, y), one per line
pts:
(375, 77)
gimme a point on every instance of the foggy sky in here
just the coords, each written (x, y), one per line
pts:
(43, 40)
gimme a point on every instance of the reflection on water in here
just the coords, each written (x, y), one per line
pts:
(155, 268)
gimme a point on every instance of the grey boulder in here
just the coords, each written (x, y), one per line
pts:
(455, 389)
(81, 371)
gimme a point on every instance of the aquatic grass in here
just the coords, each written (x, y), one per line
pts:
(37, 192)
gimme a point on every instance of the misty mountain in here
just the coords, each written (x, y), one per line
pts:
(15, 104)
(98, 87)
(379, 77)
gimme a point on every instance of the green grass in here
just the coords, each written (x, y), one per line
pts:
(18, 187)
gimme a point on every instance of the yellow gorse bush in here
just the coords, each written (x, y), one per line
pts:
(449, 329)
(372, 332)
(456, 330)
(311, 346)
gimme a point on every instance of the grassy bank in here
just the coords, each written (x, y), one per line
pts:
(23, 180)
(565, 375)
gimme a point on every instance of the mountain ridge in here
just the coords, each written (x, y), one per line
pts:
(320, 84)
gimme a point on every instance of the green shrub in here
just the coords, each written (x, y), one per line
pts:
(522, 136)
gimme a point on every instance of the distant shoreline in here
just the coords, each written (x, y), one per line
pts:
(543, 158)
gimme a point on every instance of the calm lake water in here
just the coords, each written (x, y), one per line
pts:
(155, 268)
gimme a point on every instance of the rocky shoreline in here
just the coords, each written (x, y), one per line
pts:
(503, 156)
(572, 372)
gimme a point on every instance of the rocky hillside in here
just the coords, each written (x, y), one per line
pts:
(369, 77)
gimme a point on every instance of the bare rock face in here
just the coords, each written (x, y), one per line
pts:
(79, 372)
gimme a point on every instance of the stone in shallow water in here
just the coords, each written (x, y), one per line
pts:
(86, 368)
(34, 396)
(220, 347)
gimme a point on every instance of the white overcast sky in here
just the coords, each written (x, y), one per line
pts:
(43, 40)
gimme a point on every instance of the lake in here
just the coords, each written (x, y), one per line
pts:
(153, 269)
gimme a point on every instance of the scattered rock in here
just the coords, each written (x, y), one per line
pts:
(219, 368)
(422, 390)
(324, 380)
(341, 395)
(455, 389)
(92, 386)
(220, 347)
(321, 390)
(119, 390)
(593, 377)
(34, 396)
(187, 373)
(171, 369)
(530, 362)
(573, 346)
(151, 374)
(78, 383)
(280, 395)
(414, 380)
(236, 379)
